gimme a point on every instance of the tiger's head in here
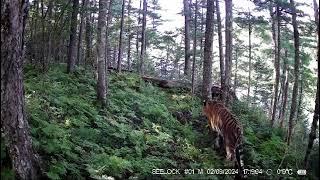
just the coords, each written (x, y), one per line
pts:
(207, 107)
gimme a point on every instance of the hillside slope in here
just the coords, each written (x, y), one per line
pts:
(137, 132)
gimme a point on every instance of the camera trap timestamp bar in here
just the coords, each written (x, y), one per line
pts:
(219, 171)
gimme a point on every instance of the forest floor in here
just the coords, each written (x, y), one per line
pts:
(142, 129)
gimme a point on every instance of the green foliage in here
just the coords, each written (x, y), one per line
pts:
(136, 133)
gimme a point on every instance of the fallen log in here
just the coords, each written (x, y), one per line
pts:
(167, 83)
(110, 68)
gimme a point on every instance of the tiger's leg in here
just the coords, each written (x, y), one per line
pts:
(216, 139)
(230, 150)
(222, 146)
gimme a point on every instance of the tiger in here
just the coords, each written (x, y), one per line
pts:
(221, 120)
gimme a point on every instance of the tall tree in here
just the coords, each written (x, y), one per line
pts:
(250, 56)
(143, 38)
(313, 132)
(121, 37)
(73, 36)
(201, 30)
(285, 88)
(276, 24)
(80, 37)
(293, 108)
(138, 32)
(228, 50)
(108, 46)
(101, 42)
(88, 35)
(187, 54)
(194, 46)
(14, 124)
(129, 36)
(221, 56)
(208, 42)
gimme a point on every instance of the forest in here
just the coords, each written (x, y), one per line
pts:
(122, 89)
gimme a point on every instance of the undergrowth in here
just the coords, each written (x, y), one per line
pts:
(136, 133)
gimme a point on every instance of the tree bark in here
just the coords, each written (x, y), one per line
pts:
(73, 36)
(121, 37)
(250, 58)
(202, 37)
(129, 37)
(283, 81)
(137, 36)
(114, 58)
(228, 53)
(285, 91)
(108, 47)
(42, 48)
(82, 15)
(276, 66)
(101, 42)
(221, 56)
(143, 38)
(208, 42)
(296, 71)
(313, 131)
(284, 105)
(194, 47)
(14, 124)
(186, 9)
(49, 32)
(88, 36)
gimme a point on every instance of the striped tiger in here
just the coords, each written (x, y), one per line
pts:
(220, 119)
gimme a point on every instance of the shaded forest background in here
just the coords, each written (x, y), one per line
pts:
(93, 88)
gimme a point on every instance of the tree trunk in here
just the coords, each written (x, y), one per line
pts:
(143, 38)
(108, 47)
(79, 54)
(113, 64)
(228, 53)
(49, 33)
(42, 48)
(129, 37)
(73, 36)
(194, 48)
(296, 71)
(137, 38)
(313, 132)
(250, 58)
(284, 105)
(14, 124)
(276, 66)
(285, 91)
(300, 96)
(201, 40)
(221, 56)
(121, 37)
(101, 42)
(88, 36)
(186, 10)
(208, 42)
(283, 81)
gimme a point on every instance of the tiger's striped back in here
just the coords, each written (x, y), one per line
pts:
(220, 119)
